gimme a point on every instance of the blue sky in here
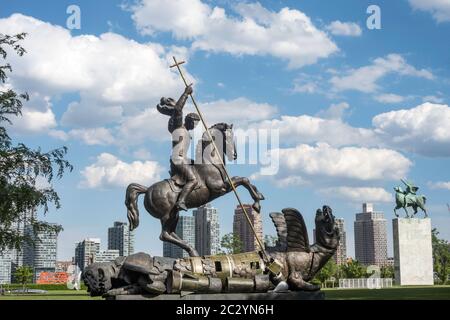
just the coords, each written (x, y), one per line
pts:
(356, 109)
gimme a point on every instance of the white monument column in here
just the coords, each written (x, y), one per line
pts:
(413, 255)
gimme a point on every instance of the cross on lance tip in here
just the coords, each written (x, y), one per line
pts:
(177, 64)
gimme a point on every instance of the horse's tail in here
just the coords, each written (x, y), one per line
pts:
(133, 192)
(424, 199)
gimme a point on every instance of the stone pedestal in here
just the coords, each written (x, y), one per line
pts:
(291, 295)
(413, 257)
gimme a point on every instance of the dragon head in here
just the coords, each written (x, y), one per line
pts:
(327, 234)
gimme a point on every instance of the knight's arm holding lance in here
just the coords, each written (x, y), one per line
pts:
(168, 107)
(410, 188)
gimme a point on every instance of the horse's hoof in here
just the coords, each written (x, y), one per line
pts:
(193, 253)
(260, 196)
(257, 207)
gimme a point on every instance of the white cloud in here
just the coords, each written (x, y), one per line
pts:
(90, 114)
(339, 28)
(424, 129)
(309, 129)
(239, 111)
(184, 18)
(362, 164)
(109, 171)
(58, 134)
(335, 111)
(288, 34)
(151, 125)
(288, 181)
(305, 83)
(112, 74)
(37, 116)
(109, 68)
(93, 136)
(439, 185)
(433, 99)
(389, 98)
(365, 79)
(309, 87)
(440, 9)
(142, 154)
(358, 194)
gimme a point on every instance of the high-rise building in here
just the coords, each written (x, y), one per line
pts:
(107, 255)
(5, 267)
(186, 231)
(370, 237)
(242, 229)
(85, 252)
(121, 238)
(42, 255)
(207, 230)
(21, 226)
(340, 257)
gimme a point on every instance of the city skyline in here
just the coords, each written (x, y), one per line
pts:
(372, 226)
(343, 109)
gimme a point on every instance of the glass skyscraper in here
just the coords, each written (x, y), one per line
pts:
(207, 230)
(121, 238)
(186, 231)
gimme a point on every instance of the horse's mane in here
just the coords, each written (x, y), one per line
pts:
(220, 126)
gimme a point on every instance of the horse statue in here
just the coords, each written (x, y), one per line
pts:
(404, 199)
(161, 197)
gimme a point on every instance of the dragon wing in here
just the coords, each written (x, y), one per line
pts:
(297, 235)
(280, 225)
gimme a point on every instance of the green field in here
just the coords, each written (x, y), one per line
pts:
(395, 293)
(52, 295)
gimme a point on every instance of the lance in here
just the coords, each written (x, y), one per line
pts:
(272, 265)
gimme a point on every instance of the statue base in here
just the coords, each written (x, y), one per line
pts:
(291, 295)
(413, 253)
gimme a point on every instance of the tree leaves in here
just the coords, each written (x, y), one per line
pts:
(22, 167)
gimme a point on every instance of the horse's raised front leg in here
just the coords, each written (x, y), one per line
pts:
(254, 193)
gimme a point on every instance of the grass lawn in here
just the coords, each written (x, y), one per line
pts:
(394, 293)
(52, 295)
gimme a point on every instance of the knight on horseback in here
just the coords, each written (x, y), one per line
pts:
(411, 189)
(181, 140)
(409, 198)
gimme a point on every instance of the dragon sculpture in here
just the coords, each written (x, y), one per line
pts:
(246, 272)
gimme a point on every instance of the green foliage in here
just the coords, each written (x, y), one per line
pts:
(328, 271)
(231, 244)
(20, 166)
(24, 275)
(441, 257)
(352, 270)
(387, 272)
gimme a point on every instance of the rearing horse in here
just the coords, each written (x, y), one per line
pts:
(161, 197)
